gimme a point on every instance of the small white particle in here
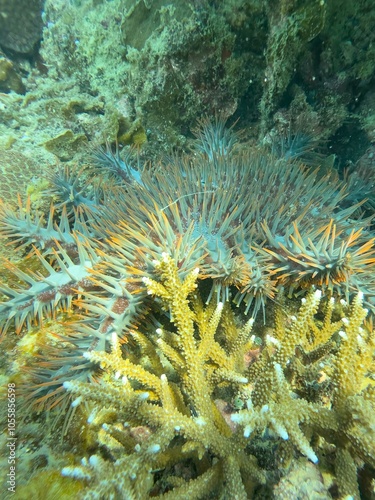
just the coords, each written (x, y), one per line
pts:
(272, 340)
(114, 338)
(74, 472)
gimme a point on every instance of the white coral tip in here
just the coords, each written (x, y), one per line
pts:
(75, 472)
(94, 461)
(318, 294)
(76, 402)
(247, 431)
(154, 448)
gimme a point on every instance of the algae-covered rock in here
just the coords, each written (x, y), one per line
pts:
(66, 144)
(160, 63)
(9, 78)
(304, 480)
(163, 64)
(289, 34)
(333, 66)
(20, 24)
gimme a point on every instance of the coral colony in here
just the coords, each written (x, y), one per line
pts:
(213, 320)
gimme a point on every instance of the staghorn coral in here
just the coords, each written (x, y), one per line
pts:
(172, 389)
(203, 434)
(347, 421)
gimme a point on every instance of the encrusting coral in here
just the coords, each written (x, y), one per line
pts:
(259, 227)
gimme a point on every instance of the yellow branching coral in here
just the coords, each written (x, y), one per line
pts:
(188, 395)
(272, 404)
(354, 397)
(185, 421)
(348, 420)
